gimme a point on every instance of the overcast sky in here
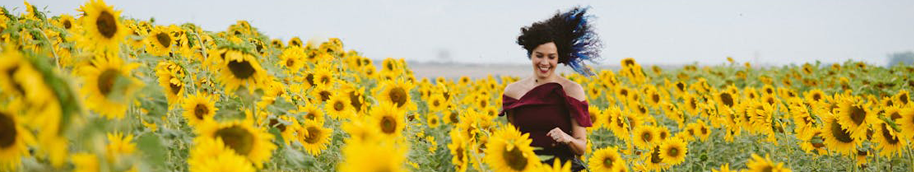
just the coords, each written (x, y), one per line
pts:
(483, 31)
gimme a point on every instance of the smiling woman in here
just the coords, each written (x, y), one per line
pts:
(551, 108)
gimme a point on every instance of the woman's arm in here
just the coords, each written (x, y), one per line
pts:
(577, 142)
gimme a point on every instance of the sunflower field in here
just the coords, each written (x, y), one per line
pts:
(101, 92)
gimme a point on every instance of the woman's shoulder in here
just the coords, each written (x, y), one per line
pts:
(517, 88)
(573, 89)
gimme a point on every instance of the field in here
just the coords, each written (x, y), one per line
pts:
(100, 92)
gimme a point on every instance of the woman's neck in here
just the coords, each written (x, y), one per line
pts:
(538, 81)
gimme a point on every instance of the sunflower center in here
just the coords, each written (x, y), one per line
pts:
(310, 79)
(242, 69)
(338, 106)
(325, 79)
(888, 136)
(175, 88)
(107, 26)
(106, 81)
(839, 133)
(680, 86)
(237, 138)
(655, 97)
(388, 125)
(313, 135)
(816, 97)
(655, 156)
(7, 131)
(290, 62)
(435, 103)
(310, 116)
(453, 117)
(768, 169)
(895, 116)
(67, 24)
(673, 152)
(200, 110)
(903, 98)
(646, 136)
(398, 96)
(608, 162)
(514, 158)
(355, 102)
(163, 39)
(857, 114)
(727, 99)
(325, 95)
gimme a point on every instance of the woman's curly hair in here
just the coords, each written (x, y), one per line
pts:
(573, 37)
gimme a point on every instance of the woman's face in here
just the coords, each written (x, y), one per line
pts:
(544, 58)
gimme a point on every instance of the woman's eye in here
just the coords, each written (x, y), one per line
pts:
(551, 57)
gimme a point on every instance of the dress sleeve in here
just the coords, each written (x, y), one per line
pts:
(579, 111)
(507, 103)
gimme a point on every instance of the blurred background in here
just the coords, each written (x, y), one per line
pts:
(476, 38)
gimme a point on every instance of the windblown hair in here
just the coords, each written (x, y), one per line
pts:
(573, 37)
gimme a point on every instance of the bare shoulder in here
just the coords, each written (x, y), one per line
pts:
(573, 89)
(517, 89)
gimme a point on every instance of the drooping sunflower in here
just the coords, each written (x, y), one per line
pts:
(890, 142)
(13, 140)
(855, 117)
(170, 76)
(159, 42)
(607, 159)
(759, 164)
(388, 119)
(109, 85)
(906, 122)
(214, 155)
(339, 106)
(458, 147)
(509, 150)
(902, 97)
(396, 92)
(241, 137)
(673, 151)
(314, 137)
(102, 26)
(836, 137)
(240, 69)
(199, 108)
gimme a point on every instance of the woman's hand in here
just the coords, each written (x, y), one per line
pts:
(559, 136)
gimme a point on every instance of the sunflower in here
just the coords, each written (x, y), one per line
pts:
(240, 69)
(241, 137)
(459, 153)
(759, 164)
(433, 120)
(323, 77)
(13, 140)
(109, 85)
(396, 92)
(384, 156)
(890, 142)
(906, 122)
(159, 42)
(509, 150)
(645, 136)
(902, 97)
(103, 28)
(652, 160)
(321, 94)
(314, 137)
(723, 168)
(673, 151)
(451, 116)
(607, 159)
(170, 76)
(339, 107)
(287, 126)
(388, 119)
(292, 58)
(214, 155)
(199, 108)
(836, 137)
(855, 117)
(437, 103)
(311, 113)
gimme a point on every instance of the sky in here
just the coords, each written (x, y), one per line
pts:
(772, 32)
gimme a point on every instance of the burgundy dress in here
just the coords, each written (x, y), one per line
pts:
(543, 108)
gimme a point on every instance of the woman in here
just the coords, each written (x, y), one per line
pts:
(553, 109)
